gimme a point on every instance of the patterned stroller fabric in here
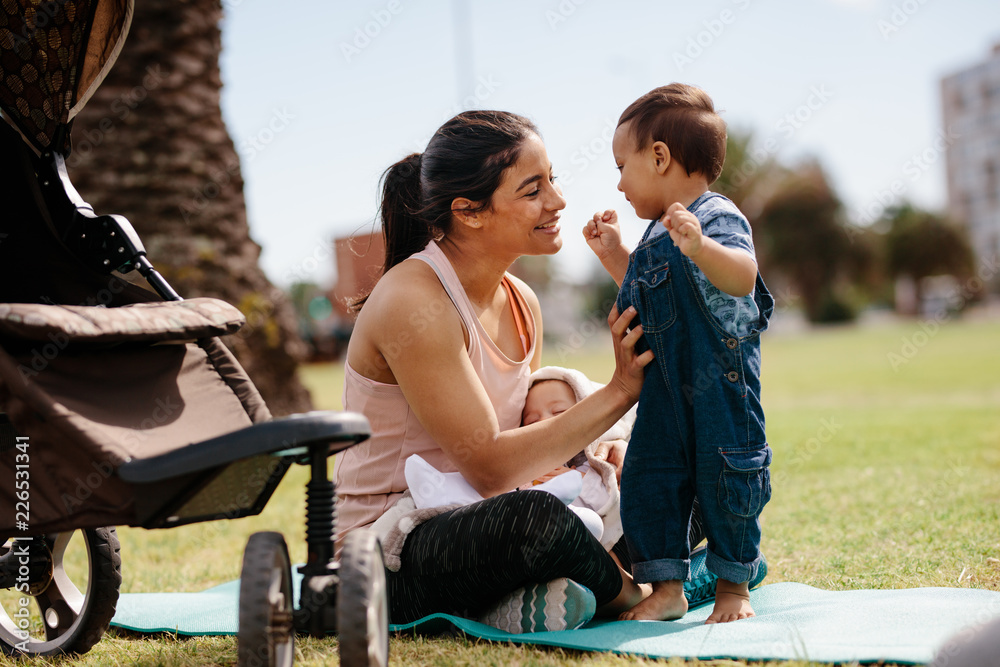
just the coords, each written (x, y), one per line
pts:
(53, 56)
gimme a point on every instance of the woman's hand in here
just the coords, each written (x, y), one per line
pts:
(612, 451)
(629, 367)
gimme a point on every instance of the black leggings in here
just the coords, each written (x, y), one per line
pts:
(463, 561)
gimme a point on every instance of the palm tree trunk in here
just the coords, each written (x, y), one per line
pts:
(152, 145)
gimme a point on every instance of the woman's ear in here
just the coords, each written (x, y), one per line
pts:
(661, 156)
(466, 212)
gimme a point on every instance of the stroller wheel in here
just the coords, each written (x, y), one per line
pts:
(266, 635)
(74, 579)
(362, 607)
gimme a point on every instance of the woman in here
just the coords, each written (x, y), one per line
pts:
(439, 362)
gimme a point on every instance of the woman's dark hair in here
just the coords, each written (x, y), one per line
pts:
(466, 157)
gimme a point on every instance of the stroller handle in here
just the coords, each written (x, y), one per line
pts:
(105, 243)
(340, 429)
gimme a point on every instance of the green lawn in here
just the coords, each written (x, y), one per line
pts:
(886, 474)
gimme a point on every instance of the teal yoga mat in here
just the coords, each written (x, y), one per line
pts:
(793, 621)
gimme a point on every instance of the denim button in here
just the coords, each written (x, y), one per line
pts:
(732, 376)
(732, 343)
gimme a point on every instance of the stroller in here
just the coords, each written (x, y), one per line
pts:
(120, 406)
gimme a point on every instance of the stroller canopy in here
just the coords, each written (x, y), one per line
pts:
(53, 56)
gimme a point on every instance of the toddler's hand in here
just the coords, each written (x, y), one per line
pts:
(603, 234)
(684, 229)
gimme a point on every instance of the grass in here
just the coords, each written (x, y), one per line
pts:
(886, 471)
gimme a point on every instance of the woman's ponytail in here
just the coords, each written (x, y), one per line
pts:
(403, 226)
(403, 230)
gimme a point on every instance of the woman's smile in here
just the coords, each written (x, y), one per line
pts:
(550, 227)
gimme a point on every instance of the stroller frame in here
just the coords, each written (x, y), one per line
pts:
(184, 483)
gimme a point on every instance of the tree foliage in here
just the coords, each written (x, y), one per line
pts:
(750, 175)
(920, 244)
(801, 233)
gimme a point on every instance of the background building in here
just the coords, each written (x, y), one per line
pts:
(971, 138)
(359, 260)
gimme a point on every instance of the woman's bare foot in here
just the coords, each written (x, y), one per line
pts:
(732, 602)
(630, 595)
(666, 603)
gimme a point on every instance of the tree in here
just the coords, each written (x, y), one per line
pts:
(801, 233)
(920, 244)
(750, 174)
(152, 145)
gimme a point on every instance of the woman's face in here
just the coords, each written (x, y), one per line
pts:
(524, 215)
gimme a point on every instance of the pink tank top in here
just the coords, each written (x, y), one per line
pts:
(369, 476)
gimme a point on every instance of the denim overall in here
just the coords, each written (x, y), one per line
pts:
(700, 426)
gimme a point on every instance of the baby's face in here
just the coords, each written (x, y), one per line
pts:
(545, 400)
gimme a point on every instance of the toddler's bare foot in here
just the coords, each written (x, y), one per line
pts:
(732, 602)
(666, 603)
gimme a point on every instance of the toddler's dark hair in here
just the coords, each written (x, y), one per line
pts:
(684, 118)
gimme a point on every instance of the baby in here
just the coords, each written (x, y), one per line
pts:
(587, 485)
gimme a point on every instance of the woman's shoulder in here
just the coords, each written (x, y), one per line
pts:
(410, 279)
(407, 311)
(408, 294)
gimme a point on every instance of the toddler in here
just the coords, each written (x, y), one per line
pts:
(699, 429)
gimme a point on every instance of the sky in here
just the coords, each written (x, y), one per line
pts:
(321, 97)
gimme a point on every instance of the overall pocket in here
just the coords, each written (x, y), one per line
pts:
(745, 481)
(656, 298)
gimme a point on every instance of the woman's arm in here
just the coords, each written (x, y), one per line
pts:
(425, 353)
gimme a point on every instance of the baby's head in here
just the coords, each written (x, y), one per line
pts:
(677, 121)
(546, 399)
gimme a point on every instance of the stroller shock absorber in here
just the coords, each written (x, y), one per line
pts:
(320, 512)
(316, 614)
